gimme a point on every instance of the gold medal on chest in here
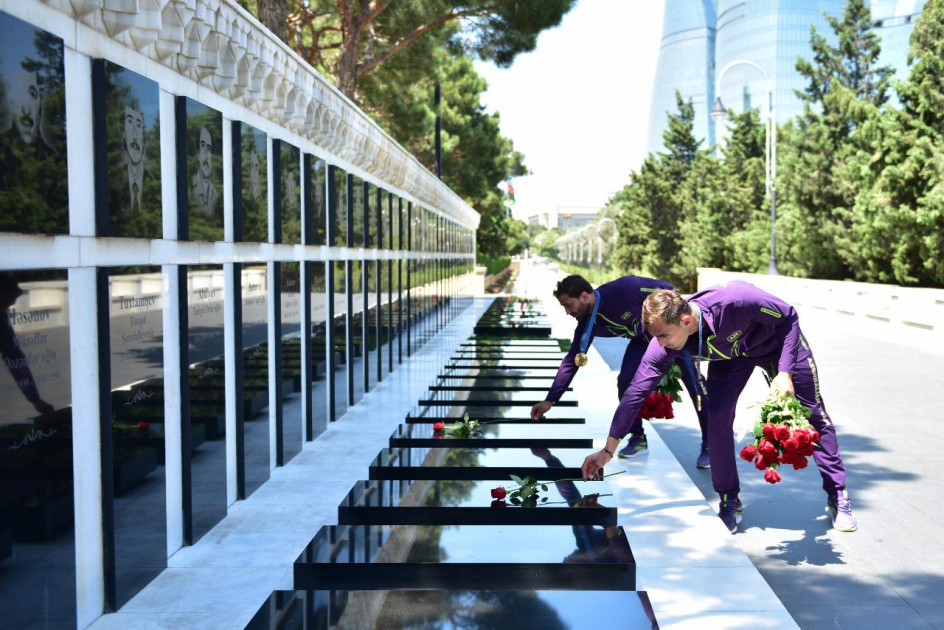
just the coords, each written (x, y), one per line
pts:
(580, 360)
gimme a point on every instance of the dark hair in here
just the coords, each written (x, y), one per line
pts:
(572, 286)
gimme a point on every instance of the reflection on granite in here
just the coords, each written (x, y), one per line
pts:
(440, 609)
(467, 556)
(478, 463)
(495, 435)
(457, 502)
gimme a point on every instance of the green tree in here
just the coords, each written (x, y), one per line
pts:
(350, 39)
(898, 232)
(724, 223)
(651, 208)
(812, 151)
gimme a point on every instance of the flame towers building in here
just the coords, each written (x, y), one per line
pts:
(700, 37)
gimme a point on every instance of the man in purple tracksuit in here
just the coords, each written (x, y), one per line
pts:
(736, 327)
(618, 314)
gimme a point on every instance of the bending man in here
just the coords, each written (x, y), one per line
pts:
(736, 327)
(613, 310)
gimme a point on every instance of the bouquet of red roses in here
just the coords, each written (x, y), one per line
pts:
(659, 403)
(783, 435)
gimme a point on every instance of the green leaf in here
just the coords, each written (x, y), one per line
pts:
(465, 416)
(517, 480)
(544, 487)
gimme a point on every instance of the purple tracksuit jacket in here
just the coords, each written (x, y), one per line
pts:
(743, 328)
(619, 315)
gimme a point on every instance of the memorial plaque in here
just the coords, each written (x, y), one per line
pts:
(133, 153)
(254, 289)
(255, 185)
(204, 172)
(499, 557)
(319, 349)
(479, 463)
(34, 191)
(340, 342)
(338, 206)
(291, 365)
(317, 186)
(37, 579)
(207, 396)
(291, 194)
(453, 502)
(136, 321)
(450, 609)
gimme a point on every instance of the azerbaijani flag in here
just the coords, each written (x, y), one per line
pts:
(509, 194)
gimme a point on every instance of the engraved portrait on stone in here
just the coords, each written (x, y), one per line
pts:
(203, 189)
(205, 172)
(132, 141)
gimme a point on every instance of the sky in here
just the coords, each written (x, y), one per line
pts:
(578, 105)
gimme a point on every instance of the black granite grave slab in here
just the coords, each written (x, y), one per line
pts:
(429, 419)
(442, 609)
(498, 402)
(454, 502)
(510, 343)
(479, 463)
(495, 557)
(525, 365)
(493, 388)
(497, 435)
(501, 358)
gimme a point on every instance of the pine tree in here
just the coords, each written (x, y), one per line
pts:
(817, 203)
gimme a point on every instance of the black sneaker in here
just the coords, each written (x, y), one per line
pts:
(703, 461)
(730, 512)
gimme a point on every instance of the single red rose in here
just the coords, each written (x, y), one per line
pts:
(767, 449)
(771, 476)
(791, 445)
(800, 463)
(769, 431)
(144, 425)
(498, 493)
(814, 435)
(781, 432)
(761, 462)
(671, 400)
(670, 414)
(439, 426)
(748, 453)
(788, 457)
(802, 437)
(806, 451)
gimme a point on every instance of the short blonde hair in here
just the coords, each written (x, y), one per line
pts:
(665, 304)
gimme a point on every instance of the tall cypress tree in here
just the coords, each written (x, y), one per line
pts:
(815, 212)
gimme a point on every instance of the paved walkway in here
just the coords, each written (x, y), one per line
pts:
(884, 396)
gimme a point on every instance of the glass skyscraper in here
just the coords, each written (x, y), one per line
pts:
(701, 37)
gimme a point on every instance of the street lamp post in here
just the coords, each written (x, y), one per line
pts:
(718, 113)
(600, 236)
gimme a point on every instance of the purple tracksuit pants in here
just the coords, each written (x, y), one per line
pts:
(726, 381)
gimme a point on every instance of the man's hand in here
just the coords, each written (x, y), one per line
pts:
(44, 408)
(782, 384)
(593, 463)
(541, 408)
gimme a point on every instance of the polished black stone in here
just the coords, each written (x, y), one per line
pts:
(510, 343)
(494, 388)
(429, 419)
(455, 502)
(442, 609)
(497, 557)
(495, 434)
(478, 463)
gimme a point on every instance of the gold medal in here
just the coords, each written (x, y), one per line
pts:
(581, 359)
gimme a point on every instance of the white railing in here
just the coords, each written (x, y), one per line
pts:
(900, 307)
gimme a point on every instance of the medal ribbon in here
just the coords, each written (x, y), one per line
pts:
(696, 366)
(585, 339)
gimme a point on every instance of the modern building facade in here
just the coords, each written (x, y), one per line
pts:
(207, 254)
(701, 37)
